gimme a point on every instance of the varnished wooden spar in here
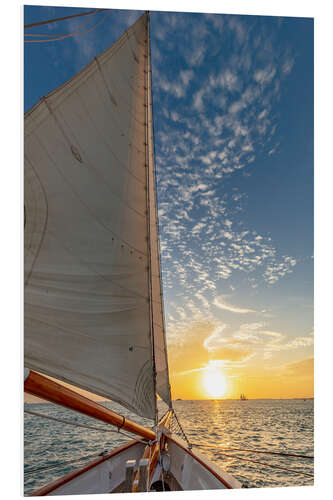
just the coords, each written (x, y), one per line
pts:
(48, 389)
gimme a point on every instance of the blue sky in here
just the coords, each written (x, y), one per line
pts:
(233, 120)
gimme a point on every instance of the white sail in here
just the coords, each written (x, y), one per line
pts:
(93, 309)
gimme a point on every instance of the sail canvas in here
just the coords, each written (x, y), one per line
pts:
(92, 284)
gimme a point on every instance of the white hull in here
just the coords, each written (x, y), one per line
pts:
(188, 471)
(194, 472)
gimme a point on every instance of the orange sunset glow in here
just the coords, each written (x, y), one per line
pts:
(267, 370)
(270, 370)
(214, 382)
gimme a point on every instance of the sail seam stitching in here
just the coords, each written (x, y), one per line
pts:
(85, 205)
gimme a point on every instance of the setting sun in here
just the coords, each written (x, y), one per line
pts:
(214, 382)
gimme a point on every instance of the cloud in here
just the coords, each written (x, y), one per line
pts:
(262, 114)
(276, 270)
(193, 370)
(233, 354)
(186, 76)
(236, 106)
(264, 76)
(217, 20)
(177, 87)
(269, 341)
(303, 368)
(195, 56)
(198, 100)
(224, 350)
(298, 342)
(250, 334)
(275, 335)
(287, 66)
(222, 304)
(198, 227)
(236, 25)
(203, 299)
(221, 123)
(215, 340)
(227, 80)
(248, 341)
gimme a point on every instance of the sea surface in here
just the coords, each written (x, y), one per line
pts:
(213, 427)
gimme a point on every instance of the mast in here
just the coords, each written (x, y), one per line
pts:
(156, 297)
(157, 219)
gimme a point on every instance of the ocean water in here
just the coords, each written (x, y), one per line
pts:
(212, 427)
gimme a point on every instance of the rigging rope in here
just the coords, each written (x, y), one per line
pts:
(63, 18)
(73, 33)
(267, 465)
(81, 24)
(42, 415)
(161, 418)
(68, 462)
(178, 424)
(281, 454)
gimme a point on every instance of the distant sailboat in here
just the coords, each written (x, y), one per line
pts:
(243, 397)
(93, 301)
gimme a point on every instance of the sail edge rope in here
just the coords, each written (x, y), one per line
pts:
(72, 34)
(49, 21)
(102, 429)
(281, 454)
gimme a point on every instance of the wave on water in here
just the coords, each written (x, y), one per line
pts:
(213, 427)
